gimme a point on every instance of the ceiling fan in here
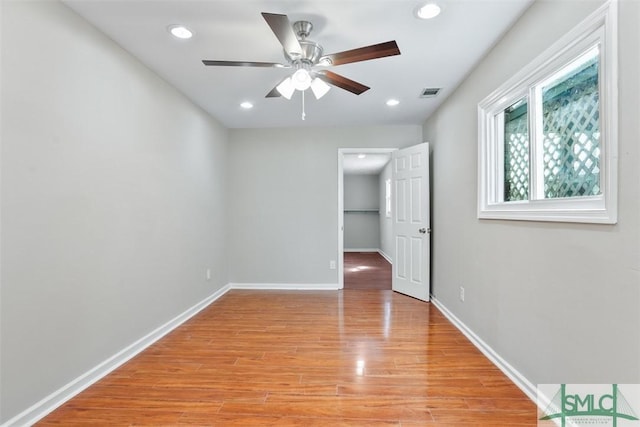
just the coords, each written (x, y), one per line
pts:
(305, 55)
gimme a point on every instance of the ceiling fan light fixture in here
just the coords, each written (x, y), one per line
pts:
(428, 10)
(319, 87)
(286, 88)
(392, 102)
(180, 32)
(246, 105)
(301, 79)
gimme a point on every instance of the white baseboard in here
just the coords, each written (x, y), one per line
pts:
(286, 286)
(385, 256)
(518, 379)
(45, 406)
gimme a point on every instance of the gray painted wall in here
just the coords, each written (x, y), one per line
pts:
(361, 229)
(113, 191)
(283, 199)
(386, 230)
(361, 192)
(558, 301)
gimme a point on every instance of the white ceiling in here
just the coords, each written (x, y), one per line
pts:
(371, 164)
(434, 53)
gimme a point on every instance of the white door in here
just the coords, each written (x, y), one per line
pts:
(411, 232)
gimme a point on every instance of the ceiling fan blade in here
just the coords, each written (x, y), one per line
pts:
(366, 53)
(274, 92)
(342, 82)
(283, 30)
(243, 64)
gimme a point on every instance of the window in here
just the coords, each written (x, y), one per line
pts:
(548, 136)
(387, 198)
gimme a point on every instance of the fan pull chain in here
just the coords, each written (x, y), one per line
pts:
(304, 115)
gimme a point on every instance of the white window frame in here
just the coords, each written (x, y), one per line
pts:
(599, 28)
(387, 198)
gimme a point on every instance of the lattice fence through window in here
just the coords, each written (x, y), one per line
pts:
(572, 141)
(516, 154)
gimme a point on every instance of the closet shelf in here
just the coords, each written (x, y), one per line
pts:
(361, 210)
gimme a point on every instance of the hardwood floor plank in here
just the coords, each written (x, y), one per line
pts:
(314, 358)
(222, 420)
(508, 417)
(505, 404)
(363, 408)
(72, 417)
(187, 394)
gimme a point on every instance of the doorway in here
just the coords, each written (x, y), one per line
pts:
(364, 222)
(410, 242)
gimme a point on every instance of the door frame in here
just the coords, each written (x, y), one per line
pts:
(341, 153)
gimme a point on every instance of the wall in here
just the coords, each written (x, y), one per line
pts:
(283, 204)
(113, 190)
(558, 301)
(386, 230)
(361, 229)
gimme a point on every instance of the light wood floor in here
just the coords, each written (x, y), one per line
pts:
(366, 270)
(325, 358)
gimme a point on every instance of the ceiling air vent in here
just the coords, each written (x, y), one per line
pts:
(429, 92)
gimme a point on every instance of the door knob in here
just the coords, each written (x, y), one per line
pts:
(422, 230)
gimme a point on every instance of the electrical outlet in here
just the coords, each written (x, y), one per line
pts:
(332, 265)
(462, 293)
(208, 274)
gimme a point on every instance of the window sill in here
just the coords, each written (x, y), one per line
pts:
(580, 210)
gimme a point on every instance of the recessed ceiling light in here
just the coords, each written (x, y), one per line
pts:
(393, 102)
(428, 10)
(362, 156)
(246, 105)
(180, 31)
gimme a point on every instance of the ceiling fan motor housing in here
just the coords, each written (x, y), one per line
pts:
(311, 53)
